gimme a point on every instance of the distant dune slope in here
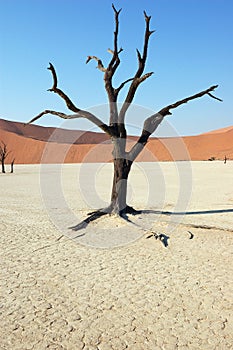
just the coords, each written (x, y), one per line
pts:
(218, 131)
(29, 145)
(44, 133)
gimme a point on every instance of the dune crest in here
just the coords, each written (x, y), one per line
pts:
(28, 143)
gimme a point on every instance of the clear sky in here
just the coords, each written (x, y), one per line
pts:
(191, 50)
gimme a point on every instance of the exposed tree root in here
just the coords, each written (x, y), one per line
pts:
(94, 215)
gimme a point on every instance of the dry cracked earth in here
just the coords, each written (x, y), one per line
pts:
(57, 294)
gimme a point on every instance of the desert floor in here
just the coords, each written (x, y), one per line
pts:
(110, 286)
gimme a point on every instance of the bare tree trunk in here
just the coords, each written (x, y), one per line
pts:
(12, 166)
(116, 128)
(3, 167)
(3, 155)
(119, 188)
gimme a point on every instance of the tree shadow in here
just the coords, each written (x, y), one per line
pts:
(199, 212)
(162, 237)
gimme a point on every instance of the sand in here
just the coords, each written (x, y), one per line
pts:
(27, 145)
(62, 292)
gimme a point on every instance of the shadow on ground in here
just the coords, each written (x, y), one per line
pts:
(215, 211)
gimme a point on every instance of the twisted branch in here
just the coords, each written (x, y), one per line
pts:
(166, 110)
(110, 70)
(151, 123)
(138, 78)
(55, 89)
(115, 61)
(100, 65)
(81, 114)
(122, 85)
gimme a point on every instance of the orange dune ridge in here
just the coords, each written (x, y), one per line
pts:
(33, 144)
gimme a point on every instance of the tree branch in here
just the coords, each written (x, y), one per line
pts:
(147, 36)
(166, 110)
(55, 89)
(100, 65)
(137, 81)
(81, 114)
(144, 77)
(110, 71)
(149, 126)
(112, 52)
(151, 123)
(216, 98)
(3, 151)
(138, 78)
(115, 61)
(122, 85)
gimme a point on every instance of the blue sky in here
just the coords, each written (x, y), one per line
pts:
(191, 50)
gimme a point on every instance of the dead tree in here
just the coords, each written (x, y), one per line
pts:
(116, 128)
(3, 155)
(12, 165)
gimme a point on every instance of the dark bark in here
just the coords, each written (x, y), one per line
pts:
(116, 127)
(3, 155)
(3, 167)
(152, 123)
(119, 188)
(12, 166)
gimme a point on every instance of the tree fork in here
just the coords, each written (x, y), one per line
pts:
(116, 129)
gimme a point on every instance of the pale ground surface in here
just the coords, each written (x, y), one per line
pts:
(59, 293)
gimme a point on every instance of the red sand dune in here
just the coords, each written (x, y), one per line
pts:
(219, 131)
(33, 144)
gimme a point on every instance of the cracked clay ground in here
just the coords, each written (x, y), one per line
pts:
(59, 294)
